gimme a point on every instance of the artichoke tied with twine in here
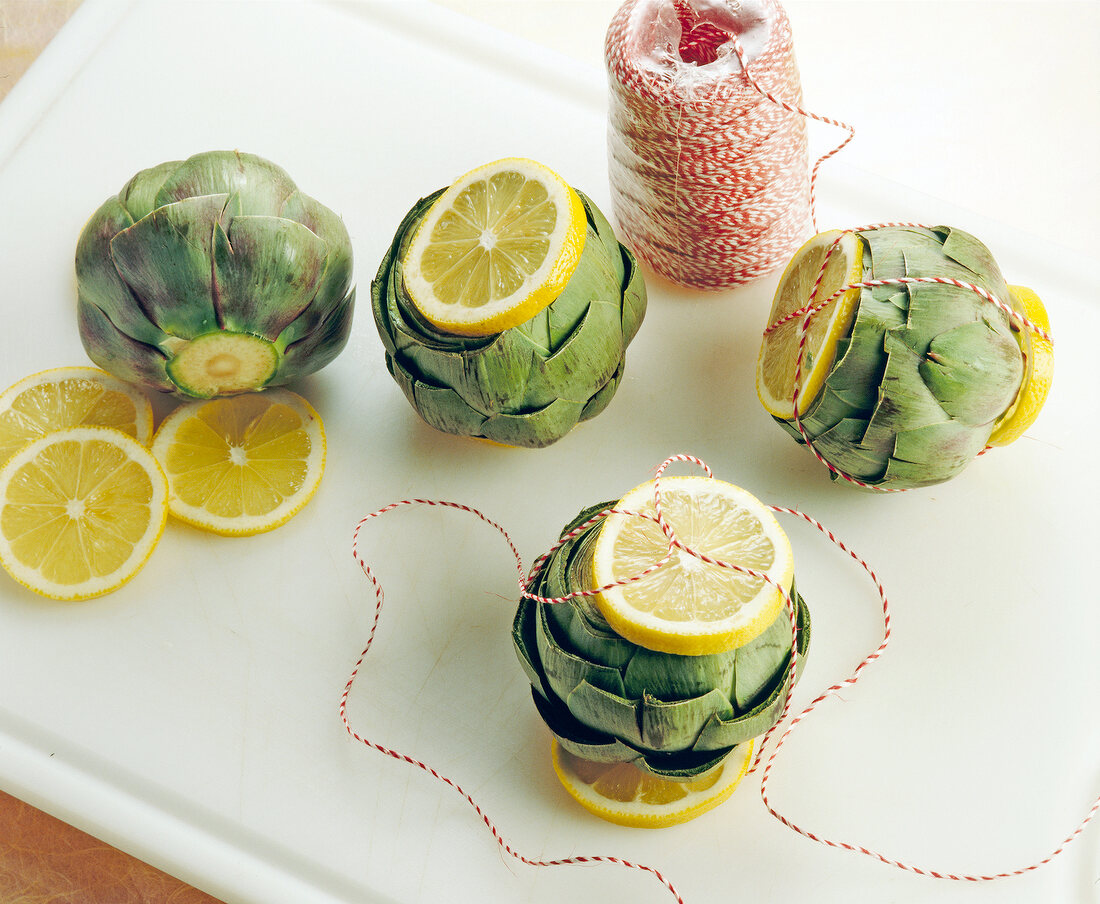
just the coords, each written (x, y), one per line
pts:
(213, 276)
(530, 384)
(608, 700)
(922, 372)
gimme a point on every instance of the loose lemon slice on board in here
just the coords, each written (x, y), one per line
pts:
(495, 248)
(242, 464)
(1038, 371)
(81, 511)
(71, 397)
(689, 606)
(624, 794)
(775, 366)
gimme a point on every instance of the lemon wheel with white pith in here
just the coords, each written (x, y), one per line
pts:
(81, 511)
(71, 397)
(244, 464)
(495, 248)
(689, 606)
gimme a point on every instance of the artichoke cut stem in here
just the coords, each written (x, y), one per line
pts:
(223, 363)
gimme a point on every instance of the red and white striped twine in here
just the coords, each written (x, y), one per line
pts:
(525, 581)
(813, 307)
(708, 168)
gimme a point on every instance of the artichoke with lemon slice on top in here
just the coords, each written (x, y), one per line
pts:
(505, 304)
(213, 276)
(903, 384)
(663, 711)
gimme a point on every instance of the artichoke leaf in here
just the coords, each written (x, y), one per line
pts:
(526, 644)
(973, 371)
(336, 281)
(106, 345)
(756, 664)
(974, 255)
(441, 407)
(165, 258)
(607, 713)
(604, 394)
(949, 446)
(635, 299)
(266, 271)
(139, 195)
(905, 401)
(319, 347)
(100, 283)
(537, 428)
(564, 671)
(262, 186)
(677, 725)
(579, 634)
(591, 355)
(672, 677)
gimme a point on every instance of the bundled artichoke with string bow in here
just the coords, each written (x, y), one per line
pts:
(213, 276)
(665, 676)
(901, 385)
(505, 304)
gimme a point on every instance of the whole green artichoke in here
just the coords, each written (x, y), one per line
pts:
(926, 370)
(212, 276)
(528, 385)
(608, 700)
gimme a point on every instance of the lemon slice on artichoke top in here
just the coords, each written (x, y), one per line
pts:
(689, 606)
(495, 249)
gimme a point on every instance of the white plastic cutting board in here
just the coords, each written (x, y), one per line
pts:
(191, 717)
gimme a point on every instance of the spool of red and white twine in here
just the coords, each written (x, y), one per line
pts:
(707, 147)
(784, 724)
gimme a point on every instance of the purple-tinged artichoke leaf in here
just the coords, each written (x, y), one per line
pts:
(266, 272)
(116, 352)
(166, 258)
(320, 347)
(330, 228)
(263, 186)
(98, 282)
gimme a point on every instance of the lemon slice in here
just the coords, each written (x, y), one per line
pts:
(495, 248)
(81, 511)
(775, 366)
(624, 794)
(689, 606)
(1038, 370)
(242, 464)
(71, 397)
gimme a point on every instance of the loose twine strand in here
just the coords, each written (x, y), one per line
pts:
(525, 581)
(812, 307)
